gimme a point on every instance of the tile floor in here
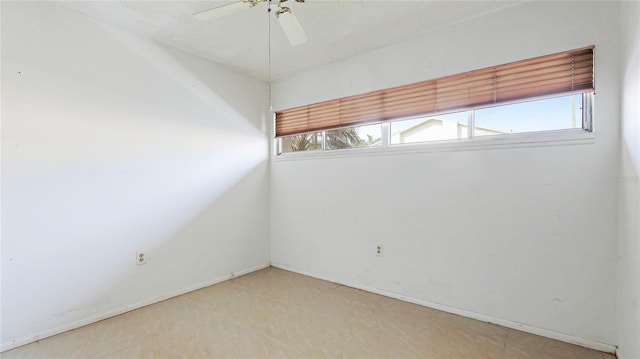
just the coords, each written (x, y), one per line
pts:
(275, 313)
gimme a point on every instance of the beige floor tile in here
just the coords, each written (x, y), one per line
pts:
(299, 330)
(245, 344)
(372, 338)
(286, 287)
(202, 336)
(479, 340)
(150, 348)
(275, 313)
(94, 340)
(166, 317)
(523, 345)
(240, 305)
(30, 351)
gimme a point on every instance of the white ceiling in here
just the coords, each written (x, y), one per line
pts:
(336, 29)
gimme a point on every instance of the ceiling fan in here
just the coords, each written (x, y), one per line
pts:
(289, 23)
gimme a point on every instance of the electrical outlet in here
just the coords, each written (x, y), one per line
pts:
(140, 258)
(379, 250)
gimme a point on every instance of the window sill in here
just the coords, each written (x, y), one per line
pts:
(520, 140)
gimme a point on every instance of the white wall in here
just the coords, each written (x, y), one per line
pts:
(113, 144)
(522, 235)
(629, 245)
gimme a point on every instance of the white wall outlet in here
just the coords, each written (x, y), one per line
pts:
(140, 258)
(379, 250)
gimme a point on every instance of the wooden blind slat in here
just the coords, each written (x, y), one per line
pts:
(561, 73)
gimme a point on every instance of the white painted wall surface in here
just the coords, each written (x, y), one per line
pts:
(629, 245)
(524, 235)
(113, 144)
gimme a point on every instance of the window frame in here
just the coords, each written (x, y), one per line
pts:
(561, 73)
(569, 136)
(541, 70)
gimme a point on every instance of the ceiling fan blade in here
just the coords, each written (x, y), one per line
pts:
(218, 12)
(291, 27)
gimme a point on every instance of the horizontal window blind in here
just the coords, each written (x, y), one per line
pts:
(561, 73)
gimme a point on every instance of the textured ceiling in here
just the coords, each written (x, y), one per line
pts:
(336, 29)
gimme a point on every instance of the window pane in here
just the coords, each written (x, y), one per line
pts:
(543, 115)
(303, 142)
(352, 137)
(451, 126)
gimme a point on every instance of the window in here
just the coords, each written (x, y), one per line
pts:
(549, 114)
(334, 139)
(547, 93)
(450, 126)
(302, 142)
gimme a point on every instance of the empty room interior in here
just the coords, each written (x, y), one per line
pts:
(433, 179)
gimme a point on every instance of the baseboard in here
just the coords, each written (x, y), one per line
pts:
(608, 348)
(112, 313)
(619, 354)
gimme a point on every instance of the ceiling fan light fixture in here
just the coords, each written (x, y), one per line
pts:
(291, 27)
(218, 12)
